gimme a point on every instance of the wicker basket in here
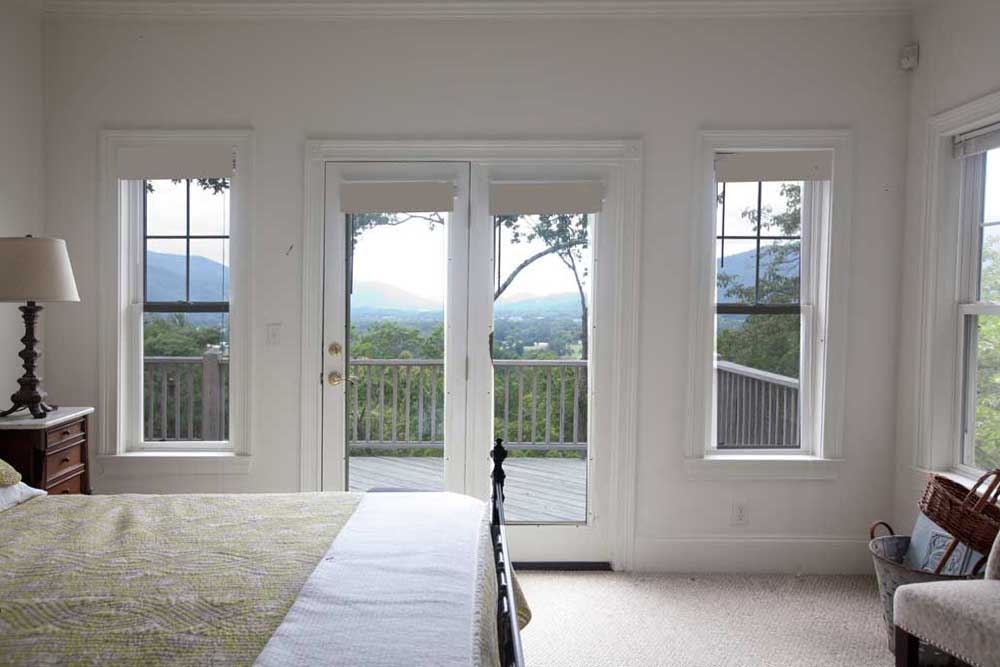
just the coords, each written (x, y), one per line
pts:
(972, 519)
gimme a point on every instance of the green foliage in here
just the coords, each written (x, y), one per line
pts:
(988, 363)
(173, 336)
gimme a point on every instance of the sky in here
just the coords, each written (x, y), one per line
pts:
(412, 257)
(165, 207)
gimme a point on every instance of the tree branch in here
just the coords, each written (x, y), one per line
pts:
(538, 255)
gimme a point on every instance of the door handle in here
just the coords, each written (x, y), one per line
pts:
(334, 378)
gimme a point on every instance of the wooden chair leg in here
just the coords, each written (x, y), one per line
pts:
(907, 649)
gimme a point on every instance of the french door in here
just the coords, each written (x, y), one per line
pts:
(459, 306)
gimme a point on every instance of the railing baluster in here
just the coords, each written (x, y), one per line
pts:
(576, 404)
(406, 393)
(548, 404)
(420, 403)
(562, 405)
(381, 404)
(506, 402)
(163, 402)
(369, 374)
(534, 406)
(177, 402)
(190, 405)
(434, 402)
(395, 402)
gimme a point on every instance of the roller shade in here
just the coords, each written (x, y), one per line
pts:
(396, 196)
(173, 160)
(546, 197)
(774, 166)
(978, 141)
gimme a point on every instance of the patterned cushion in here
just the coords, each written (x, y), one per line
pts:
(960, 617)
(8, 476)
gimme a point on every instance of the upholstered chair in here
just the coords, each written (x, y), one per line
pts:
(962, 618)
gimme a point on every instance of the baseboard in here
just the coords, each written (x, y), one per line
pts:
(757, 554)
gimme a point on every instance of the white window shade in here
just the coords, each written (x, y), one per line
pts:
(977, 141)
(774, 166)
(508, 198)
(175, 160)
(396, 196)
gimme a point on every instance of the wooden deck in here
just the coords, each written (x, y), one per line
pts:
(537, 490)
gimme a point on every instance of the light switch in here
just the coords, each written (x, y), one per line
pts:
(273, 333)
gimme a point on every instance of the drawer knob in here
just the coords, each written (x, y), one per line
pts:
(64, 491)
(64, 461)
(66, 432)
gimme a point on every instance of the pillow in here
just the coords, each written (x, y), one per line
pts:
(12, 496)
(8, 476)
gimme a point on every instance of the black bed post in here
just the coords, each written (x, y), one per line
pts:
(508, 632)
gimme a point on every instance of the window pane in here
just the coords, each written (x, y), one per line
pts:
(781, 206)
(991, 209)
(166, 270)
(166, 208)
(209, 269)
(757, 386)
(741, 209)
(989, 275)
(541, 348)
(983, 336)
(779, 272)
(186, 376)
(736, 270)
(210, 207)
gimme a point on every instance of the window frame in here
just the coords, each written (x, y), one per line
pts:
(824, 274)
(123, 301)
(971, 219)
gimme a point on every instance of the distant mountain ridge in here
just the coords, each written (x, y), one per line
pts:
(165, 278)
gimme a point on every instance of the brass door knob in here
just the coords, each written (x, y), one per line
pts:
(334, 349)
(334, 378)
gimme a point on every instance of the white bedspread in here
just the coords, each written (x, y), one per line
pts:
(404, 583)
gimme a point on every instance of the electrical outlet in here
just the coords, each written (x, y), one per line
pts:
(740, 515)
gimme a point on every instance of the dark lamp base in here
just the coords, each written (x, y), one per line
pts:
(30, 396)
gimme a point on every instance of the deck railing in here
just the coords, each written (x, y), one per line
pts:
(755, 408)
(398, 404)
(186, 398)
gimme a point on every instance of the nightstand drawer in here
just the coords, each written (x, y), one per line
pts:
(62, 461)
(64, 432)
(71, 485)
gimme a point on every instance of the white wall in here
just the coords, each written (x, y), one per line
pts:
(959, 53)
(22, 181)
(655, 79)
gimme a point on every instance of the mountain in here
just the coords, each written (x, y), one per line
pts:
(380, 296)
(566, 304)
(743, 267)
(165, 278)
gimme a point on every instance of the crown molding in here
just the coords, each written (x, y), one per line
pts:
(466, 9)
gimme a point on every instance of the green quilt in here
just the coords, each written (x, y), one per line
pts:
(149, 580)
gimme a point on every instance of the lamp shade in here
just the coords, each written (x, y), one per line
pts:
(35, 269)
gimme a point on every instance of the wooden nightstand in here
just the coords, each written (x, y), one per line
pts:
(50, 453)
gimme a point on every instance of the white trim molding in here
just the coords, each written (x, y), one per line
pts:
(621, 163)
(120, 380)
(468, 9)
(826, 286)
(935, 410)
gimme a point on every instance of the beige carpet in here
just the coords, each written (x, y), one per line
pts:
(618, 620)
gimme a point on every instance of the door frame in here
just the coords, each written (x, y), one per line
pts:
(620, 161)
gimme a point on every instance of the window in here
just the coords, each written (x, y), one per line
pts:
(175, 304)
(758, 314)
(186, 310)
(979, 310)
(767, 326)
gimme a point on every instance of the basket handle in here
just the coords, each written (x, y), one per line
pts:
(871, 531)
(979, 565)
(991, 493)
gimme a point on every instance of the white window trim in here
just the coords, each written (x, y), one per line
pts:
(119, 436)
(828, 254)
(943, 276)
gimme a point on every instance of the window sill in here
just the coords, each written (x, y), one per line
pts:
(761, 467)
(176, 463)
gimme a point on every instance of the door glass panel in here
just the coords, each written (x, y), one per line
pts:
(540, 352)
(395, 391)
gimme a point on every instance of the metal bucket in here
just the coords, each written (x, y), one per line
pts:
(888, 553)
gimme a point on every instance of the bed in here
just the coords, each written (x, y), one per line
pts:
(266, 579)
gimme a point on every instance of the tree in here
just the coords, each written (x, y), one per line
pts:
(173, 335)
(988, 362)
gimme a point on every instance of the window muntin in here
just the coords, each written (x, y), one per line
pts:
(758, 315)
(980, 312)
(186, 276)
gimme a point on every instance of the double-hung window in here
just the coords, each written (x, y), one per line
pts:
(762, 380)
(979, 299)
(175, 294)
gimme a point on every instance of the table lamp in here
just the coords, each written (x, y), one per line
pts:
(32, 270)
